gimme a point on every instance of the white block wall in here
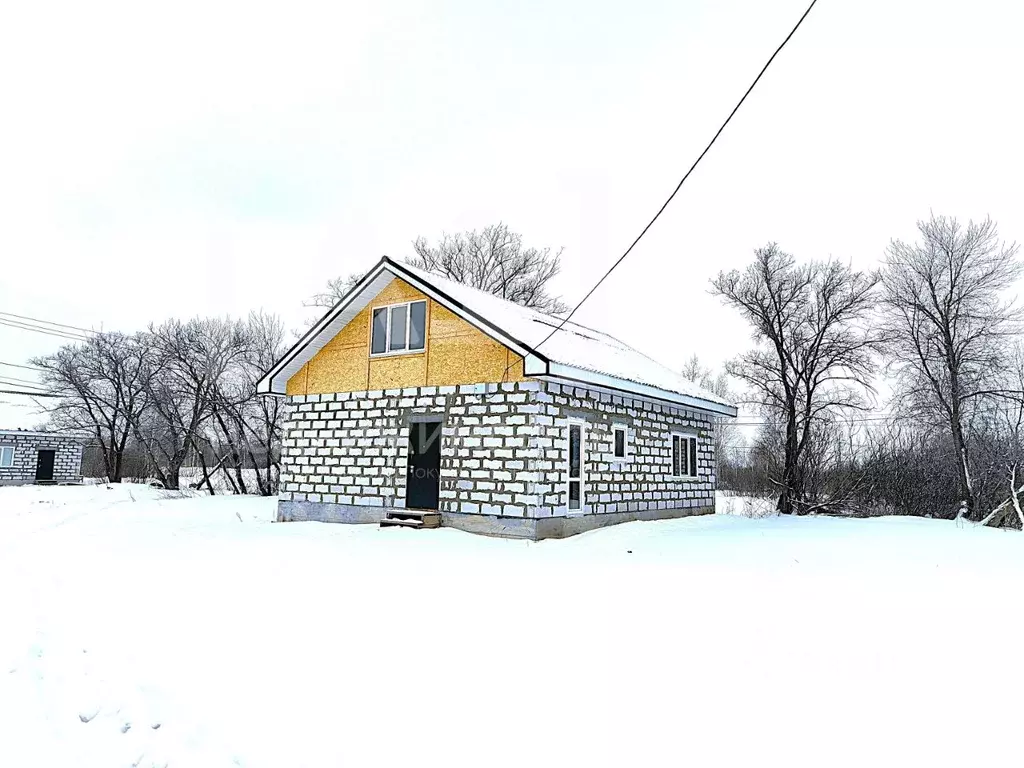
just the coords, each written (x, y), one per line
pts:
(503, 452)
(643, 481)
(352, 448)
(67, 464)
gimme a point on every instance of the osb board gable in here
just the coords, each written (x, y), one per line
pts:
(455, 353)
(462, 354)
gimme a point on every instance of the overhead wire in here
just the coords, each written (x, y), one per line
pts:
(16, 379)
(48, 322)
(18, 365)
(29, 394)
(70, 335)
(678, 186)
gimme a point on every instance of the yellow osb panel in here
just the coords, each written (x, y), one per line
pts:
(462, 354)
(338, 370)
(469, 360)
(355, 334)
(394, 292)
(297, 383)
(398, 371)
(444, 322)
(456, 353)
(515, 367)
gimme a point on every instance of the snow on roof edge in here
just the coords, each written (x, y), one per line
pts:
(693, 390)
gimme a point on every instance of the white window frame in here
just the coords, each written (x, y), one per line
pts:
(624, 429)
(388, 308)
(10, 462)
(582, 479)
(692, 471)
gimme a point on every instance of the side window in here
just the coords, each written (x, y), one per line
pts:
(684, 455)
(417, 324)
(619, 441)
(379, 343)
(6, 456)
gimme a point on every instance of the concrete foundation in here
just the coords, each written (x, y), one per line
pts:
(533, 529)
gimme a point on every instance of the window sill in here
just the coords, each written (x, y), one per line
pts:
(398, 353)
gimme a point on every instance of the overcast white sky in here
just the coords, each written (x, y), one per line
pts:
(213, 158)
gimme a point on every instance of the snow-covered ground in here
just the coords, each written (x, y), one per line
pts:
(142, 628)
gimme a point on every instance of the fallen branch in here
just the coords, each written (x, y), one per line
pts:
(998, 514)
(1013, 495)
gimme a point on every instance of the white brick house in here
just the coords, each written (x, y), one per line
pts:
(38, 457)
(415, 392)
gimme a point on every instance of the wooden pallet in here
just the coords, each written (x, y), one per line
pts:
(411, 518)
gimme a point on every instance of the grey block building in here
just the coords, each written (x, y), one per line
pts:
(39, 457)
(419, 397)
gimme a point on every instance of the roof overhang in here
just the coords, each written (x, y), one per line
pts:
(567, 373)
(535, 363)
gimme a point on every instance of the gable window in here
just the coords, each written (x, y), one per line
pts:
(6, 456)
(399, 328)
(619, 442)
(684, 455)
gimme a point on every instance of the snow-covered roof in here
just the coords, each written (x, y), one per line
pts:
(574, 353)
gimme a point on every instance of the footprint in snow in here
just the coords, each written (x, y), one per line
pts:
(87, 715)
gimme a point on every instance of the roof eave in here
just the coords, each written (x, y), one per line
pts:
(266, 384)
(569, 373)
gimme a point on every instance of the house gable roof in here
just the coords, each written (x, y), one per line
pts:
(575, 353)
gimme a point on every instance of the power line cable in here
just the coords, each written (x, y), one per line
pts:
(24, 326)
(48, 322)
(30, 394)
(17, 365)
(46, 331)
(9, 379)
(681, 181)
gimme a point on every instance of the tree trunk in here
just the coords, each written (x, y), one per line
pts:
(964, 482)
(790, 472)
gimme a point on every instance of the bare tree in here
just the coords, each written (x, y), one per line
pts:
(493, 260)
(814, 350)
(336, 289)
(947, 326)
(182, 385)
(102, 393)
(155, 400)
(245, 425)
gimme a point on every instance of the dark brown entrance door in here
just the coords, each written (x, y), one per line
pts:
(423, 482)
(44, 465)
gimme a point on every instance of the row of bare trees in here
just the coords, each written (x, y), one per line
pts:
(937, 325)
(179, 393)
(182, 395)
